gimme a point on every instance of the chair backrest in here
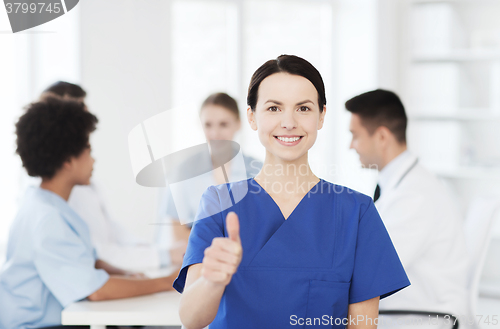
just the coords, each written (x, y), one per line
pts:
(477, 228)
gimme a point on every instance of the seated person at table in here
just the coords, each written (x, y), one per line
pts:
(112, 241)
(50, 259)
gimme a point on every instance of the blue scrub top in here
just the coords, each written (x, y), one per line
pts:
(50, 263)
(333, 250)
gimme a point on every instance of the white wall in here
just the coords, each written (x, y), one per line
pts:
(356, 72)
(125, 65)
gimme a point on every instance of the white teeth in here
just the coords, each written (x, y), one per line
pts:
(288, 140)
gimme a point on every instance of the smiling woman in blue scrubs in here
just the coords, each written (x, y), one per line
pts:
(296, 250)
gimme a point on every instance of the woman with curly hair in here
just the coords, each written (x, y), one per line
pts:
(50, 259)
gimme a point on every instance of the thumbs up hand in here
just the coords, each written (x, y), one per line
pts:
(233, 227)
(223, 257)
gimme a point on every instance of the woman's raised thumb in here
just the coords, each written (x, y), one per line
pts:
(233, 226)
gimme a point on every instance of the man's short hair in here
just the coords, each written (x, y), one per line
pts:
(50, 132)
(380, 108)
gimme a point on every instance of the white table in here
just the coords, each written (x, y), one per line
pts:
(160, 309)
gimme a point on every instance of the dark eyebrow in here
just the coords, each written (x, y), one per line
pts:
(299, 103)
(304, 102)
(273, 101)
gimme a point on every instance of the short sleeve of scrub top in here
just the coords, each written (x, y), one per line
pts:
(65, 264)
(333, 250)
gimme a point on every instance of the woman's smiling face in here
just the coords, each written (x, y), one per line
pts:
(287, 115)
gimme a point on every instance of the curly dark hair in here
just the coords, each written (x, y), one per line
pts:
(49, 133)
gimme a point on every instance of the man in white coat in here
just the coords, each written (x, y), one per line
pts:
(418, 212)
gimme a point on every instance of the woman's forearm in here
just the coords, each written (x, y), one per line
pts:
(363, 315)
(122, 287)
(110, 269)
(199, 303)
(206, 282)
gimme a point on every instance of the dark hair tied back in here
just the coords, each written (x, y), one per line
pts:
(288, 64)
(224, 100)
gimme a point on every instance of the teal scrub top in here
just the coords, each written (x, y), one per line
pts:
(50, 263)
(333, 250)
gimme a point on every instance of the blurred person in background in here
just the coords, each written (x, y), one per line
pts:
(418, 211)
(51, 262)
(112, 241)
(220, 118)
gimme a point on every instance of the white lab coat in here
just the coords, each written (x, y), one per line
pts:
(113, 243)
(427, 230)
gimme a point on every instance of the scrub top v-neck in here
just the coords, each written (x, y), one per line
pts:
(276, 204)
(331, 251)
